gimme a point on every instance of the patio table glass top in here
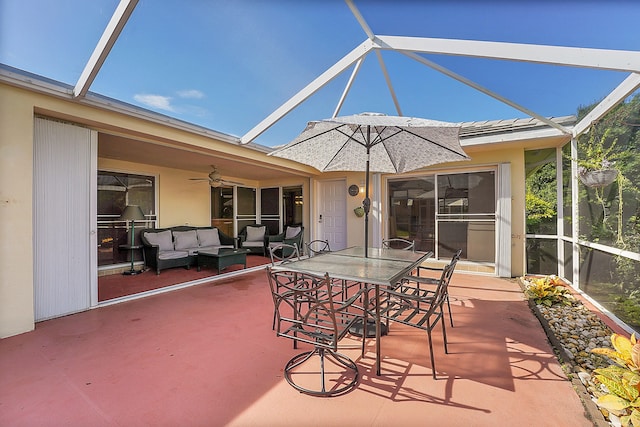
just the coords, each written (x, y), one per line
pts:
(384, 253)
(382, 267)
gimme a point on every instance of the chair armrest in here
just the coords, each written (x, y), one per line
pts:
(225, 239)
(151, 251)
(350, 302)
(418, 279)
(276, 238)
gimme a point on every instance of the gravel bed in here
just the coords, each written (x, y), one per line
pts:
(574, 331)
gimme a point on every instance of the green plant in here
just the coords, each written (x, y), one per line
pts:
(538, 210)
(621, 380)
(597, 153)
(548, 290)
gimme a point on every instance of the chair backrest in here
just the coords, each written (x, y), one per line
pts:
(284, 253)
(397, 243)
(455, 258)
(293, 231)
(317, 247)
(254, 232)
(305, 308)
(440, 293)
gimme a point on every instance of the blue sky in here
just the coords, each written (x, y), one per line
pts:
(226, 65)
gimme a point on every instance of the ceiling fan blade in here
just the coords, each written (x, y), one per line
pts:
(199, 179)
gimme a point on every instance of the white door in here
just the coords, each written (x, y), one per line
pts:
(332, 207)
(64, 221)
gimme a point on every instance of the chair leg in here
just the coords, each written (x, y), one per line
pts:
(444, 335)
(449, 308)
(433, 360)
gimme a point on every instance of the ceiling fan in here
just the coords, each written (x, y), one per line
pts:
(215, 179)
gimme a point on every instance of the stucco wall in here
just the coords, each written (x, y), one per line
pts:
(16, 183)
(180, 200)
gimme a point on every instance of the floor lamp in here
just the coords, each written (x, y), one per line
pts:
(132, 213)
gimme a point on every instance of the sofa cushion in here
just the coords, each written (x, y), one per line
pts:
(291, 232)
(185, 239)
(208, 237)
(255, 234)
(173, 254)
(163, 239)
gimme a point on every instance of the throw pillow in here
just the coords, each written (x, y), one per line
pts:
(255, 234)
(208, 237)
(185, 239)
(291, 232)
(162, 239)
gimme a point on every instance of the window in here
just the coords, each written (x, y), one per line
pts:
(115, 192)
(292, 205)
(222, 209)
(270, 209)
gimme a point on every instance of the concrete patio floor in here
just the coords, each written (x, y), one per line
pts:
(206, 356)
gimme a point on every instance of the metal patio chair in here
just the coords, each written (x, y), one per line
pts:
(307, 311)
(397, 243)
(429, 281)
(418, 308)
(317, 247)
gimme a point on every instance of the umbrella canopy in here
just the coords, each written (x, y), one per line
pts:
(374, 142)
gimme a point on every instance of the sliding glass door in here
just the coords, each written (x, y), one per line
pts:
(446, 212)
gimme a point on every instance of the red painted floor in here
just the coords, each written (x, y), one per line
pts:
(119, 285)
(207, 356)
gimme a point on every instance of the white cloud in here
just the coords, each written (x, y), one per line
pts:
(191, 93)
(155, 101)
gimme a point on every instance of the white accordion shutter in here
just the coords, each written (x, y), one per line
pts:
(64, 219)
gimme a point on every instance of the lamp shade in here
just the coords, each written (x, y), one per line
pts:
(132, 213)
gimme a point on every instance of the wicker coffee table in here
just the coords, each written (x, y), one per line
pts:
(222, 258)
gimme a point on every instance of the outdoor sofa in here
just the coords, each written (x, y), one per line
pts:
(178, 246)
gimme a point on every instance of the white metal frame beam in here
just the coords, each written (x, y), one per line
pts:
(486, 91)
(603, 59)
(624, 89)
(111, 33)
(355, 55)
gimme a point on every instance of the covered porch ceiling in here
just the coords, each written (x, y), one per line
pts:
(194, 159)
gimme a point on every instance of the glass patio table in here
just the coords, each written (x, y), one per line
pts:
(382, 267)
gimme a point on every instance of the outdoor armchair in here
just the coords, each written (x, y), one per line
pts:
(291, 234)
(254, 238)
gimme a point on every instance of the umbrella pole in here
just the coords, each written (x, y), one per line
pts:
(366, 203)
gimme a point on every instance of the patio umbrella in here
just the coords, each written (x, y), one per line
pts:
(373, 142)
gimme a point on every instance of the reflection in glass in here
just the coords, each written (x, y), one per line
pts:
(412, 211)
(115, 192)
(270, 209)
(292, 204)
(542, 256)
(463, 216)
(222, 209)
(613, 282)
(541, 196)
